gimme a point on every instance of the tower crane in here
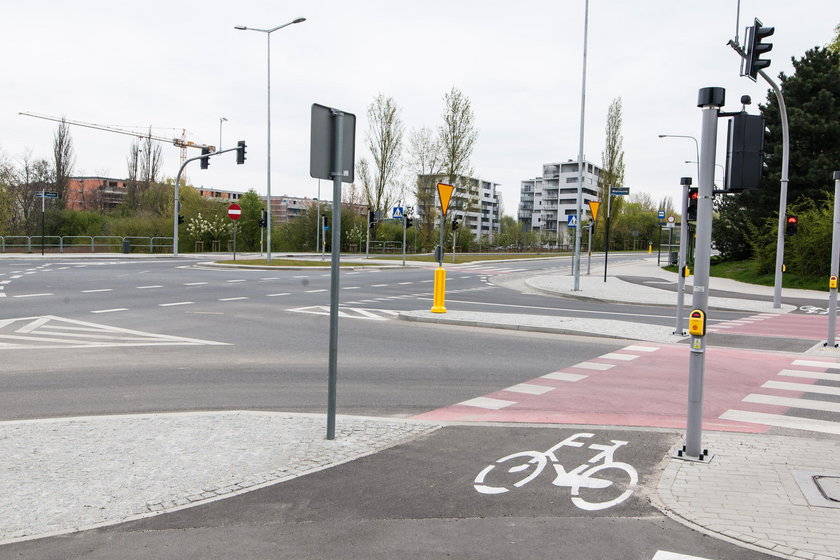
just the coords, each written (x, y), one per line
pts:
(181, 142)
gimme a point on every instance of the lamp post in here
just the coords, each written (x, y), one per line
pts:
(221, 120)
(722, 170)
(268, 33)
(696, 147)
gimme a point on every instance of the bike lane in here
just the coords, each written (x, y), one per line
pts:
(646, 385)
(420, 500)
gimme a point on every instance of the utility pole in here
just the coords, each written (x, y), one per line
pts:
(686, 183)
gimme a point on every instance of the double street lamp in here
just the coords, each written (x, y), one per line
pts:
(696, 146)
(268, 33)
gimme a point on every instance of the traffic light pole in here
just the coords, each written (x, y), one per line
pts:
(177, 204)
(686, 183)
(835, 247)
(710, 100)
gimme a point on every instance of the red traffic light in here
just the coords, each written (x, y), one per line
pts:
(792, 220)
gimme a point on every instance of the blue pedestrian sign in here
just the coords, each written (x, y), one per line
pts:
(397, 212)
(571, 220)
(662, 214)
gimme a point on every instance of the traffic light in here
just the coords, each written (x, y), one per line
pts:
(263, 221)
(180, 219)
(324, 222)
(371, 219)
(755, 48)
(693, 196)
(791, 225)
(205, 160)
(744, 152)
(408, 222)
(240, 152)
(455, 224)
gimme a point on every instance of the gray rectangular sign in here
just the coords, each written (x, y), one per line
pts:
(322, 144)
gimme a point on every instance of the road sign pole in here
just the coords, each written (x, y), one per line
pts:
(589, 250)
(234, 239)
(43, 198)
(607, 236)
(835, 247)
(710, 100)
(338, 118)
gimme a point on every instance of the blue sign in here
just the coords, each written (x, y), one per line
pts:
(397, 212)
(571, 220)
(662, 214)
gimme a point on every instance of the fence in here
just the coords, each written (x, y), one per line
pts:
(84, 244)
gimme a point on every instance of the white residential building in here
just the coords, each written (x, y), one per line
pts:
(477, 202)
(554, 194)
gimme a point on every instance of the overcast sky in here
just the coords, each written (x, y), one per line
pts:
(181, 65)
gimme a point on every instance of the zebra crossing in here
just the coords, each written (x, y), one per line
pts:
(349, 312)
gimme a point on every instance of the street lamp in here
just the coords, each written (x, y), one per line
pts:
(221, 120)
(696, 146)
(268, 33)
(722, 170)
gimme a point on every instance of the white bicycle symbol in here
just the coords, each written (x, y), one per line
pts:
(577, 478)
(814, 310)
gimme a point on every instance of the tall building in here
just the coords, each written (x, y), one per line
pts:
(554, 193)
(476, 201)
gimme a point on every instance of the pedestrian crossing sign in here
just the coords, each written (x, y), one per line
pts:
(571, 220)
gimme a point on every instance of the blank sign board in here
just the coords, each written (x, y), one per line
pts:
(322, 145)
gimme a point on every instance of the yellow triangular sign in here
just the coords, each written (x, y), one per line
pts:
(445, 193)
(593, 208)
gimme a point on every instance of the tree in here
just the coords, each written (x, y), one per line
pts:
(457, 140)
(612, 164)
(63, 161)
(834, 45)
(425, 156)
(812, 96)
(384, 141)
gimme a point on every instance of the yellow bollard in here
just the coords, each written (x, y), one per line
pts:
(440, 291)
(650, 247)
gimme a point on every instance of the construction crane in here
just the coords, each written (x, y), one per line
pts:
(181, 142)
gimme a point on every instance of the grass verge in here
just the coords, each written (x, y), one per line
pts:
(744, 271)
(293, 262)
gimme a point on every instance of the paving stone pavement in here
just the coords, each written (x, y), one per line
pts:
(748, 493)
(68, 474)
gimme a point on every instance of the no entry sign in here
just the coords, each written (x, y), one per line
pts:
(234, 211)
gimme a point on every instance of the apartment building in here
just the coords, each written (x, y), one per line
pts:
(476, 201)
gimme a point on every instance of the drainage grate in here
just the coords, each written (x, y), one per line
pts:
(821, 489)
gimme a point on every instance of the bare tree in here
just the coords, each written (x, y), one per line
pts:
(426, 160)
(384, 140)
(457, 138)
(151, 161)
(63, 161)
(131, 183)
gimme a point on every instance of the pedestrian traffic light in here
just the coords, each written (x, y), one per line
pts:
(240, 152)
(408, 222)
(261, 223)
(371, 219)
(324, 221)
(791, 225)
(180, 219)
(263, 218)
(205, 159)
(693, 197)
(455, 224)
(744, 152)
(755, 48)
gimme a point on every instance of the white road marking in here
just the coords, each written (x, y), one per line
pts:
(594, 365)
(621, 357)
(33, 295)
(111, 310)
(487, 402)
(804, 387)
(351, 288)
(810, 374)
(314, 291)
(100, 290)
(149, 287)
(272, 278)
(300, 276)
(636, 348)
(233, 298)
(195, 283)
(176, 303)
(780, 421)
(563, 376)
(404, 283)
(813, 363)
(793, 403)
(665, 555)
(231, 281)
(275, 295)
(426, 281)
(379, 285)
(529, 389)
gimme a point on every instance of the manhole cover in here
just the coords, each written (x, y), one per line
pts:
(829, 486)
(821, 489)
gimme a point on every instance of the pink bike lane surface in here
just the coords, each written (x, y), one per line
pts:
(646, 385)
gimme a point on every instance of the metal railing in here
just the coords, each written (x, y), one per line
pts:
(84, 244)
